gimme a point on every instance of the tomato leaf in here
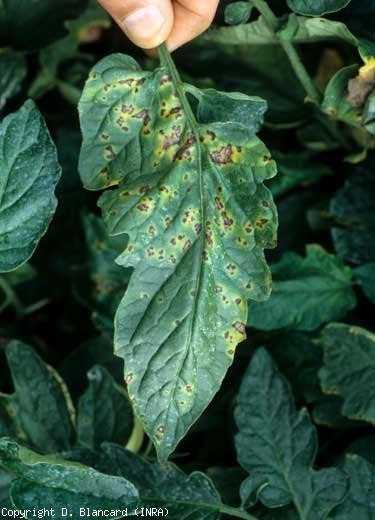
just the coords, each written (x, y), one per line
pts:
(49, 427)
(353, 208)
(316, 7)
(365, 277)
(359, 503)
(166, 486)
(191, 198)
(29, 172)
(66, 487)
(307, 292)
(348, 371)
(277, 446)
(104, 411)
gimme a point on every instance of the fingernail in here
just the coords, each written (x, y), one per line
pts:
(144, 24)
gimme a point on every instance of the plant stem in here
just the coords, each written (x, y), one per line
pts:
(266, 12)
(290, 51)
(167, 61)
(301, 71)
(11, 297)
(236, 512)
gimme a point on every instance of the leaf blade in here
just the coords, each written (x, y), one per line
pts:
(181, 200)
(29, 173)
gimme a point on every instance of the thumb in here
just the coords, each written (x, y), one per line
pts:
(147, 23)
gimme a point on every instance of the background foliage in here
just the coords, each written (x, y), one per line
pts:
(288, 432)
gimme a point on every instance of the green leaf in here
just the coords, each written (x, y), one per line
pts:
(349, 368)
(335, 102)
(316, 7)
(104, 411)
(44, 407)
(214, 106)
(296, 169)
(365, 277)
(297, 29)
(308, 30)
(18, 22)
(299, 358)
(353, 208)
(254, 33)
(237, 13)
(277, 446)
(165, 485)
(190, 197)
(359, 503)
(307, 292)
(46, 482)
(29, 172)
(12, 73)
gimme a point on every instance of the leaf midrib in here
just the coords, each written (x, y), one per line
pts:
(167, 62)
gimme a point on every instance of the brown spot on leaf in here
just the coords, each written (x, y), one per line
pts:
(184, 151)
(241, 327)
(144, 115)
(223, 155)
(219, 203)
(173, 138)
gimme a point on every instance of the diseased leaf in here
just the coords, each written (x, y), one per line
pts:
(237, 12)
(359, 503)
(104, 411)
(29, 172)
(47, 482)
(165, 485)
(316, 7)
(349, 369)
(353, 207)
(12, 73)
(365, 277)
(190, 197)
(307, 292)
(277, 446)
(44, 410)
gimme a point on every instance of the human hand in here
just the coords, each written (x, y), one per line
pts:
(149, 23)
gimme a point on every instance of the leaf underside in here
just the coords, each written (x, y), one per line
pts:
(191, 199)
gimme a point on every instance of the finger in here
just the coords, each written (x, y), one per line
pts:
(191, 18)
(147, 23)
